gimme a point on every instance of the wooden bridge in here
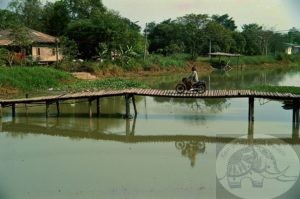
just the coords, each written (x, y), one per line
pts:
(130, 93)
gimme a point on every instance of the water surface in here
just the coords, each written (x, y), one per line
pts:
(168, 151)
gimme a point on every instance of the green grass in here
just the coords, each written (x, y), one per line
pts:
(243, 60)
(176, 60)
(32, 78)
(111, 83)
(257, 60)
(277, 89)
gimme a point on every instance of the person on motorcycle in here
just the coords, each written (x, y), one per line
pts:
(194, 75)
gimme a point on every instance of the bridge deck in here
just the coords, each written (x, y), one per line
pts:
(156, 93)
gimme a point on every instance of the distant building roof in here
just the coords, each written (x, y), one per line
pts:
(224, 54)
(293, 45)
(35, 36)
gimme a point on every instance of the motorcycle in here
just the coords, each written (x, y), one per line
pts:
(187, 85)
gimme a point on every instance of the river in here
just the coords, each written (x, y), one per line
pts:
(174, 148)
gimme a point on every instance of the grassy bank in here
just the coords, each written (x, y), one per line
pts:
(176, 62)
(32, 78)
(18, 80)
(115, 83)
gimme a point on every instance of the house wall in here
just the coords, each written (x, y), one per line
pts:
(288, 50)
(45, 54)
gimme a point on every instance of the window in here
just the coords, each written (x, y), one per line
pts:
(53, 51)
(38, 51)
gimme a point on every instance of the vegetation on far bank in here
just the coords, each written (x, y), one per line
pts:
(277, 89)
(32, 78)
(110, 83)
(41, 79)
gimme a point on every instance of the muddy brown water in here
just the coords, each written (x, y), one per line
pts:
(172, 149)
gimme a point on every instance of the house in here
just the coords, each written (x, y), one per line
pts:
(292, 48)
(43, 48)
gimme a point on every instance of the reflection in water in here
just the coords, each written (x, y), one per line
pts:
(155, 148)
(190, 149)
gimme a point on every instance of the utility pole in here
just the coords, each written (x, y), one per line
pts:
(145, 45)
(209, 48)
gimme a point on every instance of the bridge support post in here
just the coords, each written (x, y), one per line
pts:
(134, 105)
(296, 107)
(127, 104)
(251, 109)
(296, 122)
(250, 130)
(13, 109)
(1, 111)
(26, 108)
(47, 108)
(57, 108)
(90, 107)
(98, 107)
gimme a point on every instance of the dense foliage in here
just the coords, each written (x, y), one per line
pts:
(90, 31)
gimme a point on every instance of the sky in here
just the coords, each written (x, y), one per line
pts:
(276, 14)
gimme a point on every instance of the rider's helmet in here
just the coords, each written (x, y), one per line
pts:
(193, 68)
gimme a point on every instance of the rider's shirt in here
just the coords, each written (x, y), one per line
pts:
(194, 76)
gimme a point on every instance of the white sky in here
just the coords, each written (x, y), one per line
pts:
(278, 14)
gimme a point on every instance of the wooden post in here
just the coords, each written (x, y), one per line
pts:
(127, 101)
(90, 107)
(250, 131)
(26, 108)
(1, 111)
(13, 108)
(57, 108)
(295, 111)
(127, 127)
(134, 105)
(251, 109)
(98, 107)
(47, 108)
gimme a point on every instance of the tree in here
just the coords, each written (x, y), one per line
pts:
(294, 36)
(225, 21)
(84, 9)
(251, 33)
(219, 36)
(193, 34)
(29, 12)
(104, 28)
(166, 37)
(68, 48)
(55, 18)
(8, 19)
(239, 42)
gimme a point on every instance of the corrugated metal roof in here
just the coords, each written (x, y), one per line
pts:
(35, 36)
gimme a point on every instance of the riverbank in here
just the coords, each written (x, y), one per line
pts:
(37, 80)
